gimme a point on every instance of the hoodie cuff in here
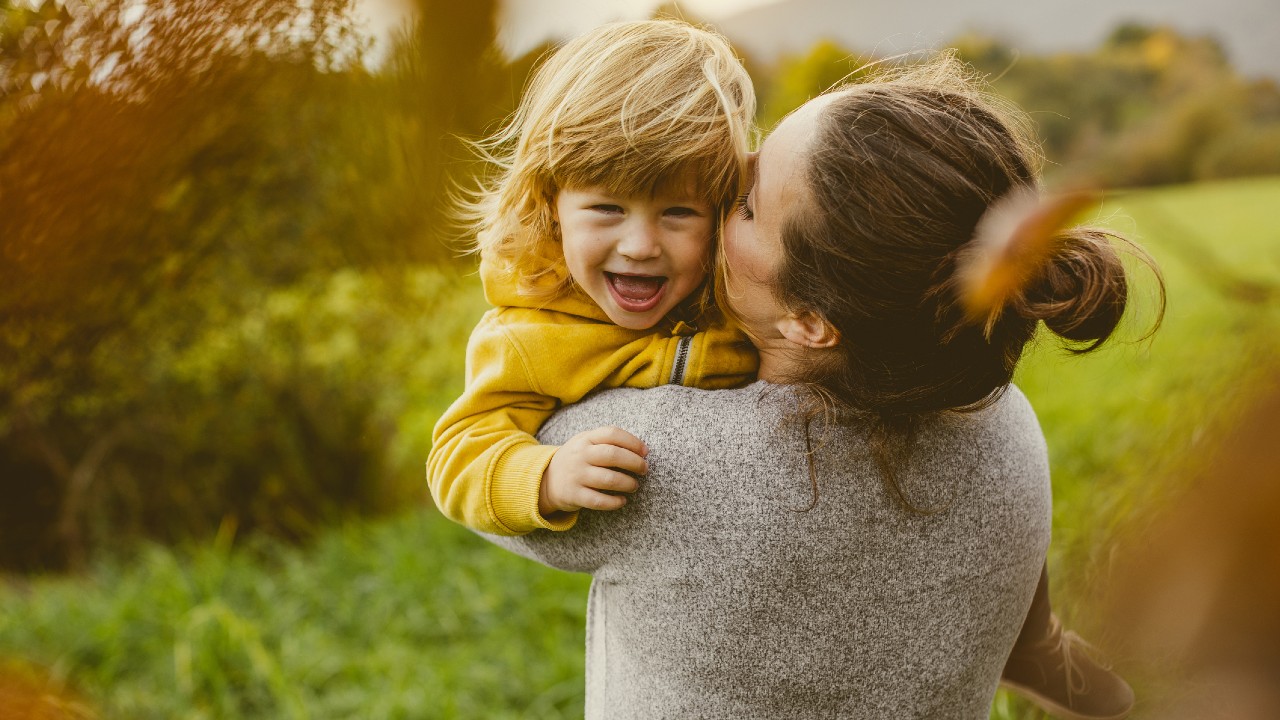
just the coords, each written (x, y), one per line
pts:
(516, 481)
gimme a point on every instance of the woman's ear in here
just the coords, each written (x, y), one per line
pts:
(808, 329)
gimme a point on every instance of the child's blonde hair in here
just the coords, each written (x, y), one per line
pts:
(627, 106)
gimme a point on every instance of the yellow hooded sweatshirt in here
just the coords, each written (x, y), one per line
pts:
(528, 357)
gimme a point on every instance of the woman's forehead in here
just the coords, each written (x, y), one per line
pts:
(779, 159)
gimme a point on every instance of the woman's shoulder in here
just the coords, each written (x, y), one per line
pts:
(1009, 422)
(1012, 405)
(996, 451)
(1006, 426)
(672, 410)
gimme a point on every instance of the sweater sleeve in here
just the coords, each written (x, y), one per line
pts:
(572, 551)
(485, 467)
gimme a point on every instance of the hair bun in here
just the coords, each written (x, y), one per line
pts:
(1014, 241)
(1082, 292)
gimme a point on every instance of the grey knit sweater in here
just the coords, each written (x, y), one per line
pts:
(716, 595)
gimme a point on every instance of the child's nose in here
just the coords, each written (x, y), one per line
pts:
(640, 242)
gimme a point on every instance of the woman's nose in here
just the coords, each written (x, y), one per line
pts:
(640, 242)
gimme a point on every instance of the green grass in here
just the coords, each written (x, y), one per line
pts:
(1128, 425)
(416, 618)
(411, 618)
(1123, 423)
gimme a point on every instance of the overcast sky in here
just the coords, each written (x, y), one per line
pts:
(1250, 29)
(524, 24)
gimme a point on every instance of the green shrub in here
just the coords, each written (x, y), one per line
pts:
(275, 409)
(1253, 150)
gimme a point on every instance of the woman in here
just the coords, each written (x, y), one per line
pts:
(860, 533)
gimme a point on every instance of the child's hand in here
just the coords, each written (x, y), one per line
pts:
(590, 462)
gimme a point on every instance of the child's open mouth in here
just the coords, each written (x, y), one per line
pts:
(636, 293)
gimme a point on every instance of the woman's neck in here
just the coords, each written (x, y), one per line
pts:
(783, 362)
(780, 361)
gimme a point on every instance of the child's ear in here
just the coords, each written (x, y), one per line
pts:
(808, 329)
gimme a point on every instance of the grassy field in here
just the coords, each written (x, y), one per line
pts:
(415, 618)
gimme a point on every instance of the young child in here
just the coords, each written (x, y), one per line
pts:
(595, 245)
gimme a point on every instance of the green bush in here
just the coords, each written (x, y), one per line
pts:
(275, 409)
(197, 322)
(1251, 150)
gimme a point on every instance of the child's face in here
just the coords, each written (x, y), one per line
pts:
(637, 257)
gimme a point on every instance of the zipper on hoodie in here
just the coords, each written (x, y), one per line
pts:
(682, 359)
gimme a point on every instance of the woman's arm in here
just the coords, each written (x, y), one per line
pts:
(578, 549)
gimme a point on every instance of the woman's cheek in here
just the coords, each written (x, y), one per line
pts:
(738, 253)
(731, 239)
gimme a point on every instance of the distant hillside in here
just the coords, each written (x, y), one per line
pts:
(1248, 29)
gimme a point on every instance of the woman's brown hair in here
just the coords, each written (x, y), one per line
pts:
(900, 171)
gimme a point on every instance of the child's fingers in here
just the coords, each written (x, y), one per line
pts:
(612, 456)
(595, 500)
(611, 435)
(611, 480)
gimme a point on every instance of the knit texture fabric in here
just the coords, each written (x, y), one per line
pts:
(716, 594)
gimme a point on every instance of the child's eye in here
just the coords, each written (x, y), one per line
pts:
(743, 210)
(606, 208)
(683, 212)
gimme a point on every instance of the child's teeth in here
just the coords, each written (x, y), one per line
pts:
(637, 288)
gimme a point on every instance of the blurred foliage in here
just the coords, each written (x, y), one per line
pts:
(179, 181)
(794, 80)
(1150, 106)
(1220, 553)
(410, 618)
(275, 410)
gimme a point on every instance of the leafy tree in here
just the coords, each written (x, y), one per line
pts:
(133, 156)
(1149, 106)
(797, 79)
(168, 171)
